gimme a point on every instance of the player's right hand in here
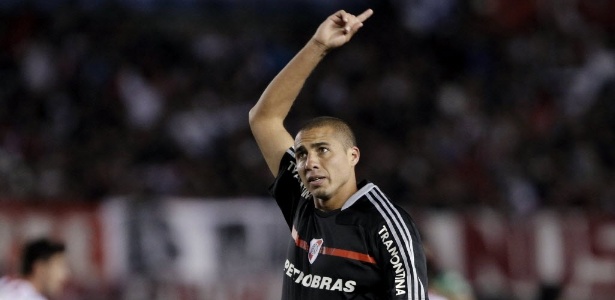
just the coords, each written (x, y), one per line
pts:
(339, 28)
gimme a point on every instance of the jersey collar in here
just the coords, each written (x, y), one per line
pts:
(366, 186)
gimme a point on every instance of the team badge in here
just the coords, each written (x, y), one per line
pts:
(315, 245)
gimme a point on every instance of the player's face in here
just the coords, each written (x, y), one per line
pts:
(56, 274)
(325, 166)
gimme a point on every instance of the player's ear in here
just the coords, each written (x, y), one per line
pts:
(354, 154)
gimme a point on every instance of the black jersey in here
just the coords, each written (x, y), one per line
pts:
(368, 249)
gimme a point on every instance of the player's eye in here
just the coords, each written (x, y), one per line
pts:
(323, 150)
(301, 155)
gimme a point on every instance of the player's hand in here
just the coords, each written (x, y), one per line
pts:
(339, 28)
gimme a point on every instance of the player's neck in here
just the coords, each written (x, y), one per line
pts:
(339, 199)
(35, 282)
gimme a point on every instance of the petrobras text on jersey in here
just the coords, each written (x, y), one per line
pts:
(318, 282)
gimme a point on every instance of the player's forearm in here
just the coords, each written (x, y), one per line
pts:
(279, 96)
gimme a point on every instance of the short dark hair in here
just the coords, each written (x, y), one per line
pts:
(342, 128)
(38, 250)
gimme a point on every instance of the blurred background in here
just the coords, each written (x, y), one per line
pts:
(124, 132)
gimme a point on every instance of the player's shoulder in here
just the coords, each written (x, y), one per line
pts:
(287, 162)
(370, 207)
(18, 289)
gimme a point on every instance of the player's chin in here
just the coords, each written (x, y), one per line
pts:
(320, 193)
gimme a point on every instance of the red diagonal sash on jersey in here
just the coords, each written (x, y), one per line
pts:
(333, 251)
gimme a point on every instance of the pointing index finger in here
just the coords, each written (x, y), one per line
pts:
(365, 15)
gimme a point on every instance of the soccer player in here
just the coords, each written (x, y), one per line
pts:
(44, 272)
(348, 240)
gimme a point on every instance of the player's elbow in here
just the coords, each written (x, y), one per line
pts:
(253, 116)
(257, 115)
(258, 118)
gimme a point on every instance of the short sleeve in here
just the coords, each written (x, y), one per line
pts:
(287, 188)
(400, 256)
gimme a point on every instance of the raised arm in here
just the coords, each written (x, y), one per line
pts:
(267, 116)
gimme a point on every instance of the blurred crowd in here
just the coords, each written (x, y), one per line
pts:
(456, 104)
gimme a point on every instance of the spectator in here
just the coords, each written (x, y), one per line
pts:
(44, 272)
(504, 106)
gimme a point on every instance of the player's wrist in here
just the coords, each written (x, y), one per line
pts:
(318, 47)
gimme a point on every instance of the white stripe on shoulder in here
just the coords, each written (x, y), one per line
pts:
(418, 280)
(405, 234)
(291, 151)
(357, 195)
(393, 225)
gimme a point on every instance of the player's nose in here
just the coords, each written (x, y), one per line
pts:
(311, 161)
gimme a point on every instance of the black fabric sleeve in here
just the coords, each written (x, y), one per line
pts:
(399, 254)
(287, 188)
